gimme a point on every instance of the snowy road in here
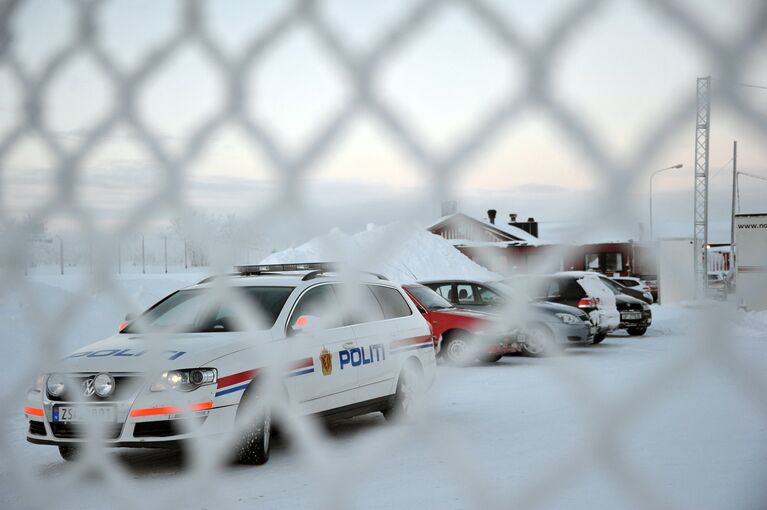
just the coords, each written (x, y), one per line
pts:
(594, 428)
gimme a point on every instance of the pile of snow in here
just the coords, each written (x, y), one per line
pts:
(402, 253)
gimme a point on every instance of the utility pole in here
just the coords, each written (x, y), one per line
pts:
(732, 214)
(702, 128)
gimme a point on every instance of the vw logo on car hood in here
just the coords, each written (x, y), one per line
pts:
(88, 388)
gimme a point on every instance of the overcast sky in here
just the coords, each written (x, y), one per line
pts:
(621, 74)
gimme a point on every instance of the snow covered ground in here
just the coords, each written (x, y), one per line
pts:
(675, 419)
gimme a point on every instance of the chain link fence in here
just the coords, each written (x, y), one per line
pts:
(336, 465)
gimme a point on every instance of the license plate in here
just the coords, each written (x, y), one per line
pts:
(631, 316)
(79, 414)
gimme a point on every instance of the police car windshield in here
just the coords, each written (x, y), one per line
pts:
(429, 298)
(203, 311)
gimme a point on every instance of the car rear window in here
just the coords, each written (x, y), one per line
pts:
(429, 298)
(570, 289)
(392, 302)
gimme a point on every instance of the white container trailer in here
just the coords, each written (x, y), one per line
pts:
(676, 272)
(751, 260)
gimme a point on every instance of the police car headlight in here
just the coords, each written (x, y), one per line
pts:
(104, 385)
(185, 380)
(55, 385)
(568, 318)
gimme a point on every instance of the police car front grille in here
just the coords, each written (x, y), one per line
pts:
(37, 428)
(73, 431)
(125, 386)
(166, 428)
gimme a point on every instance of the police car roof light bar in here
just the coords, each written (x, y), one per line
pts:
(252, 270)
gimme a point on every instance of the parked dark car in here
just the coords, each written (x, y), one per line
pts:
(576, 289)
(636, 315)
(545, 323)
(633, 292)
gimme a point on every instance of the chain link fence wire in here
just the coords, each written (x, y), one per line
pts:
(346, 465)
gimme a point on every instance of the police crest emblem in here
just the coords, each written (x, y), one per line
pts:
(327, 362)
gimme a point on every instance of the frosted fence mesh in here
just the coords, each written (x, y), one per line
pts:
(207, 480)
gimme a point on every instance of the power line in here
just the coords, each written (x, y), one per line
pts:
(753, 175)
(752, 86)
(721, 168)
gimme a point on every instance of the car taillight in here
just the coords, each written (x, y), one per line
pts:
(588, 302)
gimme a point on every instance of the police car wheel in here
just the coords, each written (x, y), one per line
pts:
(69, 453)
(599, 337)
(254, 444)
(406, 397)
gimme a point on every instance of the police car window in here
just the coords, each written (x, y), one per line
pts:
(320, 302)
(465, 294)
(392, 302)
(198, 311)
(358, 304)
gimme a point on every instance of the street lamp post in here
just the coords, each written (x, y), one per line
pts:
(674, 167)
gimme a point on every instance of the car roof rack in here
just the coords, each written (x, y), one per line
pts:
(209, 279)
(319, 272)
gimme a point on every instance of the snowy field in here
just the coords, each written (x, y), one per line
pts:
(675, 419)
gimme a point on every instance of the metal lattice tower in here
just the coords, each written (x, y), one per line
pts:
(702, 127)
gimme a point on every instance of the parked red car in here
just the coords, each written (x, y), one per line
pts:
(463, 335)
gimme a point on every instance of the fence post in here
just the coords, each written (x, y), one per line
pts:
(165, 249)
(143, 261)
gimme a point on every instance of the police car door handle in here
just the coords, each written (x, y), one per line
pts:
(349, 345)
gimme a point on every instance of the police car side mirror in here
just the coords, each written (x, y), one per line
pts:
(307, 324)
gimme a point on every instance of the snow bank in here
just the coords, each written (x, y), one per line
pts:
(402, 253)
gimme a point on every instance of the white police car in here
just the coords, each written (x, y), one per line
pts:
(187, 365)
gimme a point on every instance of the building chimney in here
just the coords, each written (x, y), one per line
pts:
(530, 226)
(491, 215)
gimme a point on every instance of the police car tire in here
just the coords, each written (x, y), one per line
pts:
(405, 398)
(599, 337)
(491, 358)
(69, 453)
(254, 444)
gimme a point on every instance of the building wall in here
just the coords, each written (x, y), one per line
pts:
(626, 259)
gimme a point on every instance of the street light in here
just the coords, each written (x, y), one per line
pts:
(675, 167)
